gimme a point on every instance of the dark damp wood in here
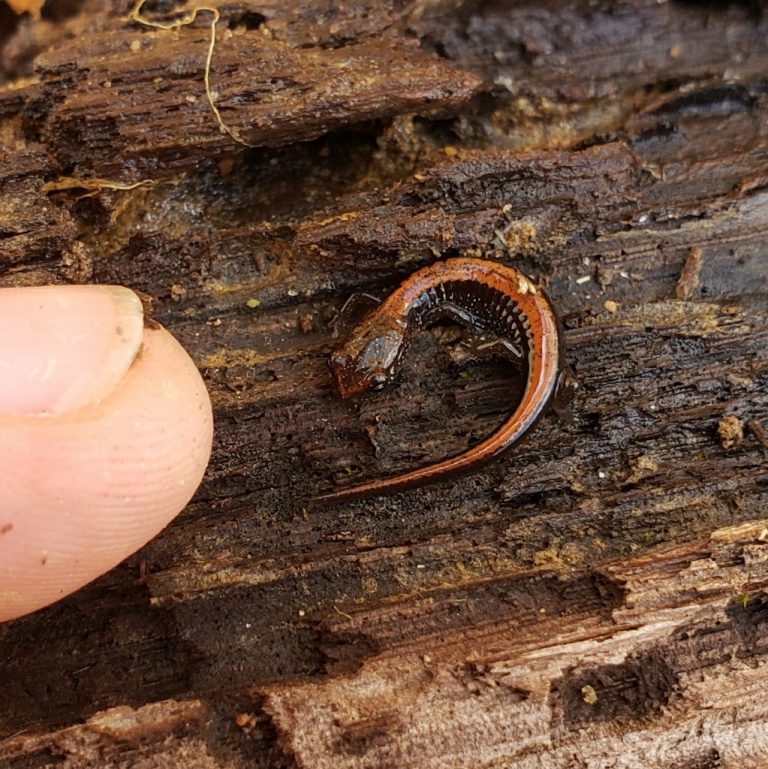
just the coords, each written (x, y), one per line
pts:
(597, 598)
(140, 108)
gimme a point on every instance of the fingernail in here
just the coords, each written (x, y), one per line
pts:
(65, 347)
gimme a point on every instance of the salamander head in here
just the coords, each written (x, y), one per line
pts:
(369, 359)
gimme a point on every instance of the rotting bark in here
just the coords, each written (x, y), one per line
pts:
(597, 597)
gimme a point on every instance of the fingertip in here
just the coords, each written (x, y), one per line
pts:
(64, 347)
(85, 489)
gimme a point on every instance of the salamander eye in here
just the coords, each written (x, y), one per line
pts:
(378, 381)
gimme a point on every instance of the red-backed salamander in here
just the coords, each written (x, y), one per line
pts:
(483, 296)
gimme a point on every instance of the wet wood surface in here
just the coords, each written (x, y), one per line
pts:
(596, 598)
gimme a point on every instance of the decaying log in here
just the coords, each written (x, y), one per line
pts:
(598, 597)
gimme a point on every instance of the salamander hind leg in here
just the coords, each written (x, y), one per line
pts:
(476, 340)
(565, 392)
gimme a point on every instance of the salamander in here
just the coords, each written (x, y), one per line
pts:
(483, 296)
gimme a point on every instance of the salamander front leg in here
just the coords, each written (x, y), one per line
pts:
(481, 346)
(349, 313)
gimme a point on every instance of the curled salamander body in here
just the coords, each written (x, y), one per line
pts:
(485, 297)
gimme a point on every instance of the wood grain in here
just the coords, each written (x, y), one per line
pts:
(598, 597)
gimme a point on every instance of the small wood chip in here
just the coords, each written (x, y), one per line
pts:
(26, 6)
(757, 429)
(689, 277)
(730, 430)
(642, 467)
(246, 721)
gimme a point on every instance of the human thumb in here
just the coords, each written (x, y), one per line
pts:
(105, 433)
